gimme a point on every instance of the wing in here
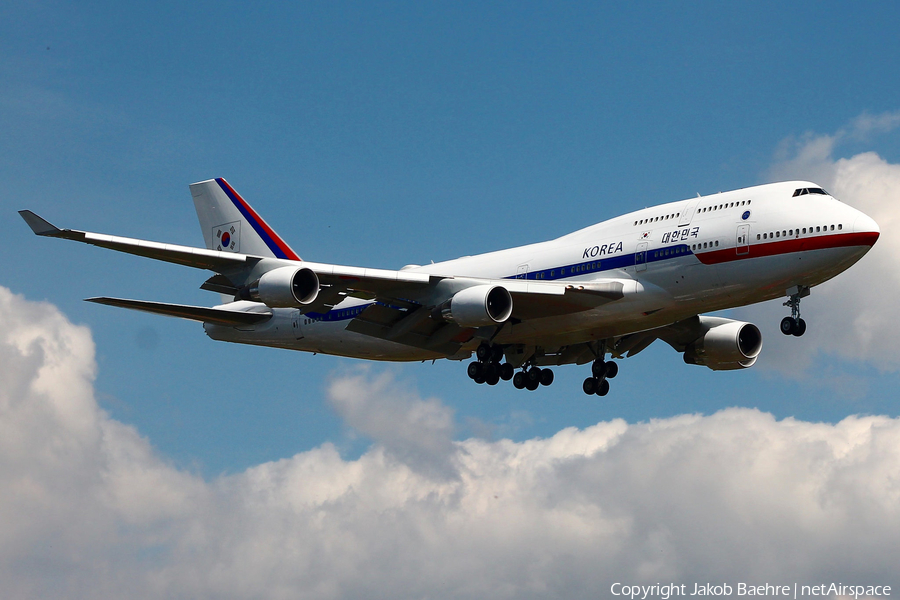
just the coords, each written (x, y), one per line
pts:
(404, 300)
(180, 255)
(236, 270)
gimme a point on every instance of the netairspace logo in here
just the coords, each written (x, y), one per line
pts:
(670, 590)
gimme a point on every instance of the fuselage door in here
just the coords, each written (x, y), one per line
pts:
(640, 257)
(742, 244)
(522, 271)
(687, 213)
(296, 319)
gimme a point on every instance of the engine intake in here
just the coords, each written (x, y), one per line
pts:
(285, 287)
(732, 345)
(478, 306)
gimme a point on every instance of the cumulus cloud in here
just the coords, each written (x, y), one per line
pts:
(418, 432)
(88, 510)
(853, 315)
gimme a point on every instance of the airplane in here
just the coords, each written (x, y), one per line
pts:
(597, 295)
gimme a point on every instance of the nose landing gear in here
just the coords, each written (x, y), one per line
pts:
(794, 325)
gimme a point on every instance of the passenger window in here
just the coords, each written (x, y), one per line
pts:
(757, 236)
(832, 227)
(840, 226)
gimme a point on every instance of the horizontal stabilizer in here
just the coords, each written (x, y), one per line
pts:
(219, 316)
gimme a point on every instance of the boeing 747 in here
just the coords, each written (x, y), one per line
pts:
(600, 293)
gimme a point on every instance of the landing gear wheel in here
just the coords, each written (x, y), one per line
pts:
(506, 371)
(474, 370)
(800, 329)
(492, 370)
(519, 380)
(603, 389)
(787, 325)
(590, 385)
(531, 385)
(479, 379)
(492, 377)
(612, 369)
(483, 352)
(598, 368)
(546, 376)
(534, 374)
(496, 353)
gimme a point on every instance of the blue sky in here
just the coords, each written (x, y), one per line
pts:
(382, 134)
(388, 134)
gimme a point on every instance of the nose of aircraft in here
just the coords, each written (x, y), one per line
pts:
(865, 225)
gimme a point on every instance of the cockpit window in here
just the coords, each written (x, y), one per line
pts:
(804, 191)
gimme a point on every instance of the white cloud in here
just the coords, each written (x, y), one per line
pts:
(418, 432)
(851, 316)
(89, 511)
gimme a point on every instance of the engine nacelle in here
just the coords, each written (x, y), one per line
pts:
(478, 306)
(286, 287)
(732, 345)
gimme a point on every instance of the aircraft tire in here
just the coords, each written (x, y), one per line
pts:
(598, 368)
(492, 370)
(590, 385)
(801, 328)
(787, 325)
(531, 385)
(474, 370)
(496, 353)
(612, 369)
(506, 371)
(534, 374)
(479, 380)
(546, 376)
(483, 352)
(492, 378)
(603, 389)
(519, 380)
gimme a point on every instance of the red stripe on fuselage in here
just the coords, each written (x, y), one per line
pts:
(819, 242)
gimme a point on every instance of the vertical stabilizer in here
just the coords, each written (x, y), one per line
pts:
(229, 224)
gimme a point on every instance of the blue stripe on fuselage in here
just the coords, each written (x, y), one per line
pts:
(606, 264)
(564, 272)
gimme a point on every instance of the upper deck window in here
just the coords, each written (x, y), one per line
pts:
(804, 191)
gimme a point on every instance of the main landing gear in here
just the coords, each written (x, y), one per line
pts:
(487, 369)
(794, 325)
(602, 371)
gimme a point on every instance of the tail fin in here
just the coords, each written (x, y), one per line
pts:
(229, 224)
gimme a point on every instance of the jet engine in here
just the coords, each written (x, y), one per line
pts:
(731, 345)
(285, 287)
(478, 306)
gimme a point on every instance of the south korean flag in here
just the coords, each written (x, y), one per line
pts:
(227, 237)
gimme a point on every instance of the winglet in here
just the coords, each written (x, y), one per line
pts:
(39, 225)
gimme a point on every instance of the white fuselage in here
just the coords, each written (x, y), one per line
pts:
(680, 259)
